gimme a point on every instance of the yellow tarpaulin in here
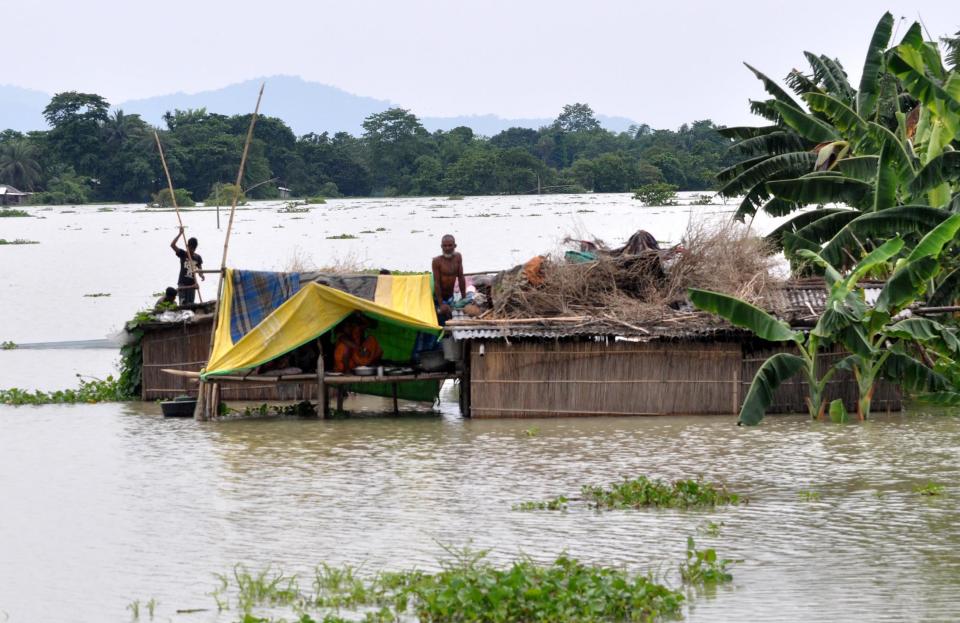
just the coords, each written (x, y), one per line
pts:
(405, 300)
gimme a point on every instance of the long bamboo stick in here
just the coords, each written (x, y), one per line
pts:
(173, 198)
(202, 411)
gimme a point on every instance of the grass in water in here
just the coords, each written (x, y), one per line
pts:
(809, 496)
(342, 237)
(94, 295)
(10, 212)
(4, 241)
(558, 503)
(96, 390)
(931, 488)
(468, 588)
(8, 345)
(641, 492)
(702, 567)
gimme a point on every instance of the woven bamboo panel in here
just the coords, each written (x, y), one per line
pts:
(186, 347)
(586, 378)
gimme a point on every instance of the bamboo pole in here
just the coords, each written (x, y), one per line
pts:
(203, 410)
(173, 198)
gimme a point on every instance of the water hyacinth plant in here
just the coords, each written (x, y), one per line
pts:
(643, 492)
(467, 588)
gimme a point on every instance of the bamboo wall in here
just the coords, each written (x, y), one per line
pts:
(585, 378)
(574, 378)
(185, 346)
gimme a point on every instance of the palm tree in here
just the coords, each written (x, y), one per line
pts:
(18, 164)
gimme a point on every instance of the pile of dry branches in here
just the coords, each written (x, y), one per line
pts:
(649, 285)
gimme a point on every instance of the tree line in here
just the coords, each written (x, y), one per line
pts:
(93, 154)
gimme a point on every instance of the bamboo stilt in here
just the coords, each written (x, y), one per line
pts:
(176, 208)
(203, 412)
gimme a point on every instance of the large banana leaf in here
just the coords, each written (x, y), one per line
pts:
(831, 275)
(773, 88)
(751, 202)
(799, 222)
(869, 90)
(743, 314)
(943, 168)
(831, 74)
(940, 236)
(771, 374)
(873, 259)
(863, 168)
(806, 125)
(801, 84)
(924, 330)
(901, 220)
(918, 83)
(822, 189)
(793, 164)
(779, 207)
(885, 191)
(899, 154)
(733, 171)
(913, 375)
(780, 142)
(765, 109)
(906, 285)
(844, 118)
(740, 133)
(825, 228)
(947, 290)
(854, 339)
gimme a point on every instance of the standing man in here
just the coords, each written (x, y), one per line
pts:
(190, 265)
(447, 272)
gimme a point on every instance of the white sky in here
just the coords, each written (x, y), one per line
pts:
(661, 63)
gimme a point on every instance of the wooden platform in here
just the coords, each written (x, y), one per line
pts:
(337, 381)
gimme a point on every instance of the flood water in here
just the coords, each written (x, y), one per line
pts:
(101, 505)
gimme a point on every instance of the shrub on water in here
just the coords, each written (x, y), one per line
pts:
(183, 196)
(657, 194)
(642, 491)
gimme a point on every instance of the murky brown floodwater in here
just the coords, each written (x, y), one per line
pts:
(101, 505)
(105, 504)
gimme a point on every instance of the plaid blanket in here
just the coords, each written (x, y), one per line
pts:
(255, 295)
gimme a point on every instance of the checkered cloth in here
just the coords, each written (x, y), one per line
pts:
(255, 295)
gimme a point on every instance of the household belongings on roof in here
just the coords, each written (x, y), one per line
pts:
(263, 316)
(639, 282)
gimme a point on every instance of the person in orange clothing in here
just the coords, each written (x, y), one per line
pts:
(353, 348)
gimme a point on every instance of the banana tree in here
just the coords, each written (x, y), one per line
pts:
(876, 347)
(856, 148)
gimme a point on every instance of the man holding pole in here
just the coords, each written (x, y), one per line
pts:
(190, 266)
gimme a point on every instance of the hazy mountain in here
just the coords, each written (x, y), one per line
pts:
(22, 109)
(304, 106)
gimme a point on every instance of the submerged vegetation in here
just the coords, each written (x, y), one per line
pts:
(90, 391)
(11, 212)
(643, 492)
(469, 588)
(4, 241)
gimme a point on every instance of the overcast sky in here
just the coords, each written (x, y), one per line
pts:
(662, 63)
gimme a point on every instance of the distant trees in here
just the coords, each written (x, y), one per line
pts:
(19, 166)
(92, 154)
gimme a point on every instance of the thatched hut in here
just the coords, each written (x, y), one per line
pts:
(682, 364)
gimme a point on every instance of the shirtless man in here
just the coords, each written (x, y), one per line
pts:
(447, 272)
